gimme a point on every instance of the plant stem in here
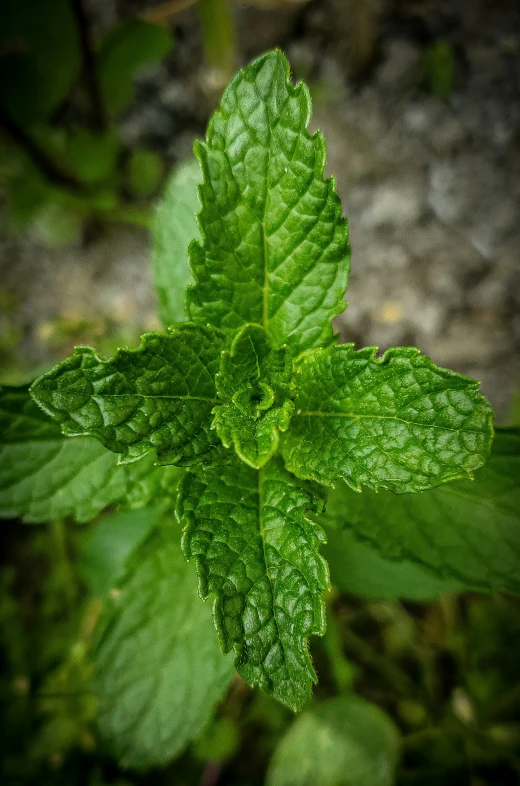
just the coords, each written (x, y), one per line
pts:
(211, 774)
(62, 562)
(99, 117)
(218, 36)
(161, 14)
(130, 214)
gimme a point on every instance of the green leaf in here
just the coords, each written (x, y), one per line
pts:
(145, 170)
(174, 228)
(124, 50)
(255, 378)
(40, 57)
(155, 398)
(257, 550)
(397, 422)
(342, 742)
(46, 476)
(358, 568)
(108, 546)
(27, 192)
(160, 670)
(92, 156)
(468, 531)
(275, 246)
(219, 742)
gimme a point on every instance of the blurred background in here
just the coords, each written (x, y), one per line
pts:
(419, 101)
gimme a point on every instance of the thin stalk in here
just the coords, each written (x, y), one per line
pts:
(99, 116)
(218, 34)
(161, 14)
(130, 214)
(62, 563)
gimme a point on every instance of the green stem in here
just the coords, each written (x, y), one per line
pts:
(218, 36)
(62, 562)
(129, 214)
(99, 118)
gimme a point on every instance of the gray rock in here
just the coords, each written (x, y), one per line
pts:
(468, 344)
(175, 97)
(386, 336)
(145, 123)
(182, 146)
(399, 66)
(447, 135)
(421, 118)
(442, 196)
(397, 203)
(386, 256)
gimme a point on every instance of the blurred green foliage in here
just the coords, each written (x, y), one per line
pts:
(61, 159)
(445, 671)
(124, 50)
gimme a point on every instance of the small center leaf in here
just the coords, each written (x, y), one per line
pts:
(255, 382)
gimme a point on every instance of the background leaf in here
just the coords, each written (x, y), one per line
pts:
(91, 156)
(175, 226)
(159, 666)
(108, 546)
(125, 49)
(145, 170)
(40, 58)
(358, 568)
(467, 531)
(342, 742)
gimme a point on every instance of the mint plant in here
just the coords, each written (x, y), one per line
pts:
(255, 401)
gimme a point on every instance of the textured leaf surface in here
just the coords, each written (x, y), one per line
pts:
(468, 530)
(155, 398)
(174, 228)
(46, 476)
(275, 247)
(257, 550)
(342, 742)
(255, 379)
(398, 422)
(160, 669)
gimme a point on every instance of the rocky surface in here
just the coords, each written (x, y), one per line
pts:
(431, 187)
